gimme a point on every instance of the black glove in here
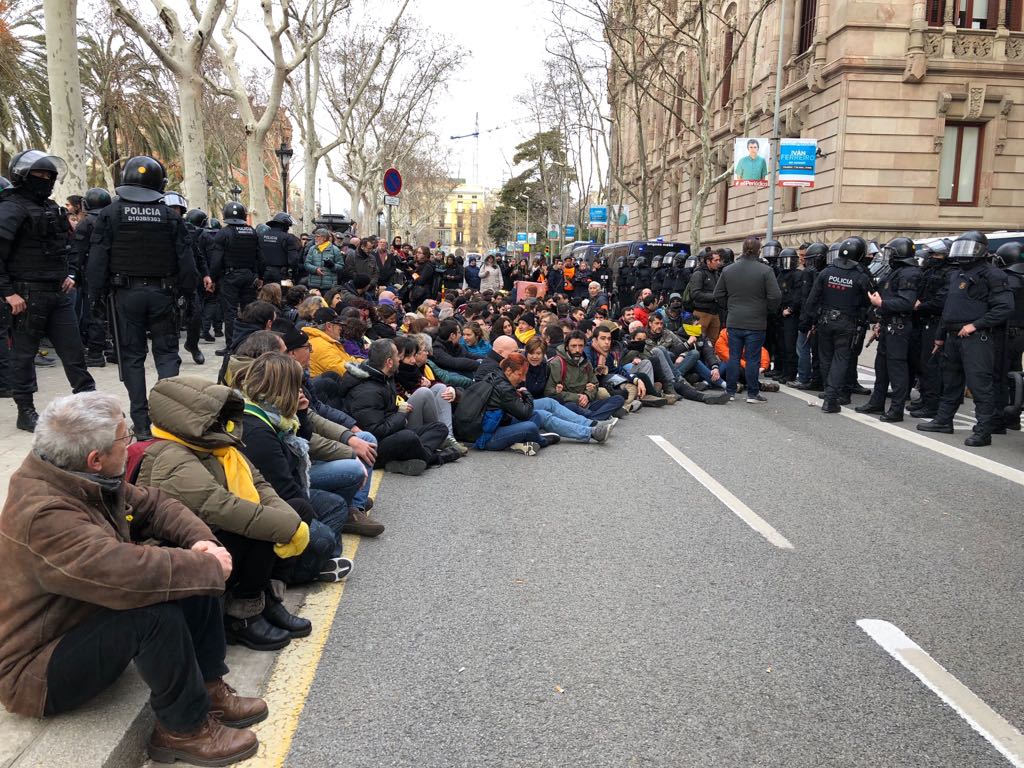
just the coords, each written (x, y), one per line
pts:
(329, 263)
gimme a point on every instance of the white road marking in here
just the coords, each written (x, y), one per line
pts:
(723, 494)
(961, 699)
(919, 438)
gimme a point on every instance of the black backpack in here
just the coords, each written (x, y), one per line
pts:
(467, 420)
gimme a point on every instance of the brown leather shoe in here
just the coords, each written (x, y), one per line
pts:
(233, 710)
(361, 524)
(212, 745)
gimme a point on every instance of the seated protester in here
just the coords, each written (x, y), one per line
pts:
(353, 330)
(553, 336)
(356, 288)
(577, 315)
(668, 353)
(672, 313)
(255, 316)
(525, 327)
(722, 351)
(502, 326)
(537, 372)
(430, 400)
(502, 347)
(448, 353)
(642, 311)
(83, 596)
(197, 460)
(506, 422)
(293, 297)
(633, 381)
(277, 442)
(627, 318)
(701, 359)
(328, 353)
(336, 436)
(598, 300)
(306, 309)
(372, 399)
(571, 379)
(385, 324)
(473, 341)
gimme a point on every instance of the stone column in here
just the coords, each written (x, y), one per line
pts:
(917, 60)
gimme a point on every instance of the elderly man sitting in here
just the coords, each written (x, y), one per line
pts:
(83, 598)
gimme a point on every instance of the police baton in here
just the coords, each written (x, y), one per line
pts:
(115, 330)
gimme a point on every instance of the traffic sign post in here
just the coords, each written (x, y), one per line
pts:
(392, 189)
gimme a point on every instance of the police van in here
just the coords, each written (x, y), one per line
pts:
(631, 249)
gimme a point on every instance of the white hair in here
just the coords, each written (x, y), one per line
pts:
(71, 427)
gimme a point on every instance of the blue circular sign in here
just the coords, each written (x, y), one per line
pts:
(392, 181)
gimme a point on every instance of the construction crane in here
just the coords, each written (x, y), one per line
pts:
(476, 135)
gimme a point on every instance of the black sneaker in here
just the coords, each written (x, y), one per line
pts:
(335, 569)
(411, 467)
(758, 398)
(221, 352)
(549, 438)
(27, 419)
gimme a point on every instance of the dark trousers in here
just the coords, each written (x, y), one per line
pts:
(1013, 348)
(236, 290)
(51, 314)
(892, 365)
(325, 514)
(971, 361)
(412, 443)
(142, 313)
(857, 346)
(97, 331)
(835, 342)
(252, 563)
(929, 367)
(193, 321)
(176, 648)
(213, 313)
(786, 350)
(602, 410)
(272, 274)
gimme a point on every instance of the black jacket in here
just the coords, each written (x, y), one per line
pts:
(518, 405)
(278, 465)
(370, 398)
(702, 290)
(454, 359)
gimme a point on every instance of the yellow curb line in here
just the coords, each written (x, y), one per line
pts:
(296, 666)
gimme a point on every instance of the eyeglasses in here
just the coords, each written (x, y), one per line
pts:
(130, 437)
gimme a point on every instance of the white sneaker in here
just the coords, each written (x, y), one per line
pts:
(635, 406)
(527, 449)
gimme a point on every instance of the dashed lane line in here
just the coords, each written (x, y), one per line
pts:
(723, 494)
(919, 439)
(961, 699)
(296, 666)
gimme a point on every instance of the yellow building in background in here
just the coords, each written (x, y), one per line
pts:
(465, 218)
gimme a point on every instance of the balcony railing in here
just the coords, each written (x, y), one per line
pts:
(974, 45)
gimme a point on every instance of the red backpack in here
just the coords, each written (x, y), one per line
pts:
(135, 453)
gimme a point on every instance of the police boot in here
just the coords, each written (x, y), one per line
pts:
(936, 426)
(977, 441)
(95, 360)
(197, 356)
(27, 418)
(892, 415)
(830, 406)
(869, 407)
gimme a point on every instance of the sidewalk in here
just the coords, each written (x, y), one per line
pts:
(112, 730)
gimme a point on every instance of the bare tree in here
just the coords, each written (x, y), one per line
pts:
(427, 181)
(182, 54)
(67, 133)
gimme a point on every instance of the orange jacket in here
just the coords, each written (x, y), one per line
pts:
(722, 350)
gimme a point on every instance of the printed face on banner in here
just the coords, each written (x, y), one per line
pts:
(750, 163)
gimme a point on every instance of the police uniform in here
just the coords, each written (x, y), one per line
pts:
(193, 301)
(934, 288)
(979, 295)
(837, 300)
(140, 253)
(36, 258)
(899, 291)
(235, 264)
(280, 251)
(95, 316)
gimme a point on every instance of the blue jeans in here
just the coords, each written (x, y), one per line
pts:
(359, 500)
(516, 432)
(551, 416)
(803, 355)
(344, 477)
(748, 344)
(331, 511)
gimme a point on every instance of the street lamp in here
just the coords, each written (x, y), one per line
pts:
(527, 199)
(235, 191)
(284, 154)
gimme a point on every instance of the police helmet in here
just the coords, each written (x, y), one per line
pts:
(620, 263)
(234, 213)
(1010, 256)
(23, 163)
(96, 198)
(175, 200)
(771, 249)
(939, 249)
(816, 255)
(970, 246)
(679, 260)
(656, 262)
(668, 259)
(641, 262)
(727, 256)
(788, 258)
(4, 183)
(900, 250)
(197, 217)
(853, 248)
(142, 181)
(214, 224)
(691, 262)
(282, 220)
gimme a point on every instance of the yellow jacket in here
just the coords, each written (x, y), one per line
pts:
(327, 354)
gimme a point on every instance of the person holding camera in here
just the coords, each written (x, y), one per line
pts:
(324, 262)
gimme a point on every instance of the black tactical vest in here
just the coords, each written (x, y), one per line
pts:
(842, 290)
(144, 240)
(970, 291)
(274, 252)
(242, 248)
(41, 244)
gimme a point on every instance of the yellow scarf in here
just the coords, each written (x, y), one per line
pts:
(236, 468)
(525, 336)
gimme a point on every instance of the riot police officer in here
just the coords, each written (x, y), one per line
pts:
(625, 282)
(658, 275)
(280, 249)
(190, 304)
(235, 264)
(894, 302)
(38, 271)
(808, 361)
(928, 313)
(787, 329)
(95, 321)
(837, 301)
(140, 253)
(209, 297)
(1010, 257)
(978, 304)
(643, 273)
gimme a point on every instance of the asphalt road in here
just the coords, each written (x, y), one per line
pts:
(596, 605)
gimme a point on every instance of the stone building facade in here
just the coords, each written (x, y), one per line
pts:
(918, 109)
